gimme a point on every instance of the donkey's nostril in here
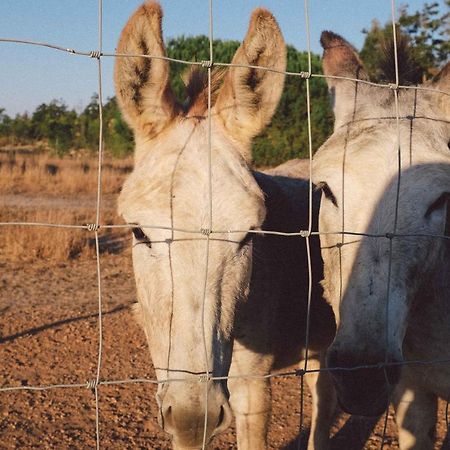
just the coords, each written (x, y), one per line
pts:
(221, 417)
(166, 420)
(224, 419)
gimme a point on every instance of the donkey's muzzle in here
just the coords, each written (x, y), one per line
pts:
(184, 412)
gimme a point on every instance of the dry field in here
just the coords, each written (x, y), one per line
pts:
(49, 331)
(38, 188)
(25, 171)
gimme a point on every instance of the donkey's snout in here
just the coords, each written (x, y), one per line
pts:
(182, 414)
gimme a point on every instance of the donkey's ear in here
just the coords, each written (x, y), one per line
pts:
(340, 59)
(142, 84)
(442, 82)
(248, 97)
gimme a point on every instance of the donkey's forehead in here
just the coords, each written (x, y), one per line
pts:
(172, 182)
(349, 150)
(371, 147)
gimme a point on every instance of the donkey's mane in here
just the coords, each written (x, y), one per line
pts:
(196, 81)
(408, 71)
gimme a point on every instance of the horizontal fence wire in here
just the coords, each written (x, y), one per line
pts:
(209, 64)
(205, 232)
(203, 377)
(208, 234)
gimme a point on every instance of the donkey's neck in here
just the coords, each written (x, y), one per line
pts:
(279, 286)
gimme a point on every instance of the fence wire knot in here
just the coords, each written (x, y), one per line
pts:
(390, 235)
(305, 233)
(305, 75)
(204, 378)
(91, 384)
(70, 50)
(300, 372)
(207, 64)
(393, 86)
(205, 231)
(92, 226)
(95, 54)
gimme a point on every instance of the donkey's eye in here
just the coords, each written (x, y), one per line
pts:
(438, 204)
(246, 241)
(327, 192)
(141, 236)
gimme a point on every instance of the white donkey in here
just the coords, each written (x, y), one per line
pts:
(357, 171)
(256, 291)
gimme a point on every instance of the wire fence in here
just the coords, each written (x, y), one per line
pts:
(208, 233)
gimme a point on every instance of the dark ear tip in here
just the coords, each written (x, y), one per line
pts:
(444, 73)
(329, 39)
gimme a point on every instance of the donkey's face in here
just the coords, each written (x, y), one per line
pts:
(357, 171)
(189, 321)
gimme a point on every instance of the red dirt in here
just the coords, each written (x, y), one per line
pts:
(49, 335)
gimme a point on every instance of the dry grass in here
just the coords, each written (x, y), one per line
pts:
(27, 243)
(22, 173)
(36, 187)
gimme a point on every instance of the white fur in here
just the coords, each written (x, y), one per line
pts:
(359, 162)
(243, 324)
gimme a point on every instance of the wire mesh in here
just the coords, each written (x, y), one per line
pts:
(208, 233)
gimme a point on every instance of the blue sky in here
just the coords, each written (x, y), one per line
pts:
(31, 75)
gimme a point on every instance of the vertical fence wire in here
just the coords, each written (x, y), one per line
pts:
(210, 223)
(310, 216)
(207, 378)
(97, 221)
(395, 225)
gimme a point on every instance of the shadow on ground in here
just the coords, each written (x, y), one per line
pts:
(352, 436)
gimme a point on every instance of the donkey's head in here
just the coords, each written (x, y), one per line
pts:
(357, 170)
(189, 321)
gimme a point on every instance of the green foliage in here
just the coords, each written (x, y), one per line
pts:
(89, 125)
(195, 49)
(429, 31)
(424, 33)
(117, 135)
(286, 137)
(55, 123)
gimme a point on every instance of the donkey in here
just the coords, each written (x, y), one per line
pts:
(252, 319)
(390, 295)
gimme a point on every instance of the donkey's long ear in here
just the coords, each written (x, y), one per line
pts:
(248, 98)
(142, 84)
(340, 59)
(442, 82)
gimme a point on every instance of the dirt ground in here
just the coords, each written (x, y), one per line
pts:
(49, 335)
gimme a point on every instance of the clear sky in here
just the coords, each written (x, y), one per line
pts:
(31, 75)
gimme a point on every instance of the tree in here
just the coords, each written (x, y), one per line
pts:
(117, 135)
(89, 125)
(5, 123)
(429, 31)
(55, 123)
(286, 137)
(422, 43)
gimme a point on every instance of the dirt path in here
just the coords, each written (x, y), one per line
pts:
(49, 334)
